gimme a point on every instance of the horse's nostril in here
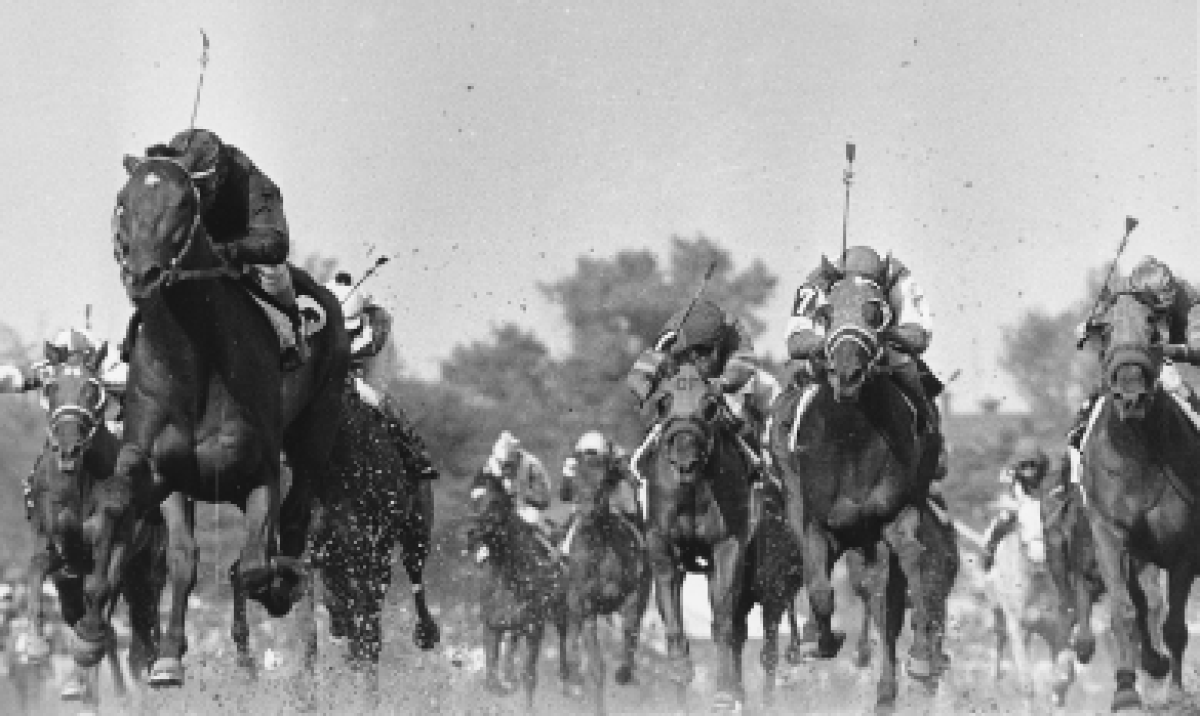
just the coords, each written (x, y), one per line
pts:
(151, 275)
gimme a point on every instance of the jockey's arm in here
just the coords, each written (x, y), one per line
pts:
(566, 490)
(741, 366)
(912, 326)
(18, 379)
(805, 331)
(265, 240)
(1001, 526)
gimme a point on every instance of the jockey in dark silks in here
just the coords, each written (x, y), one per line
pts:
(1176, 307)
(905, 336)
(242, 211)
(1021, 511)
(720, 348)
(369, 327)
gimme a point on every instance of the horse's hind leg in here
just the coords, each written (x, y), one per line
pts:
(903, 539)
(414, 541)
(886, 585)
(772, 613)
(180, 516)
(533, 642)
(590, 637)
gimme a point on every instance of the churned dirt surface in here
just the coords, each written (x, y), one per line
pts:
(449, 679)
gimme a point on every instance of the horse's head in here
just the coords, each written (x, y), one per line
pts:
(857, 311)
(74, 398)
(157, 224)
(494, 509)
(689, 408)
(596, 475)
(1131, 362)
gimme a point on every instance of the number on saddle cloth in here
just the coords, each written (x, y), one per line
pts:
(687, 390)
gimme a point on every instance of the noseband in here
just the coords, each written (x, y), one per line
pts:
(74, 412)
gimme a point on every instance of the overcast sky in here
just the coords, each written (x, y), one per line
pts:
(1000, 145)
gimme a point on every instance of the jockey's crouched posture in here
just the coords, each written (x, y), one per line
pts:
(75, 345)
(1020, 509)
(1176, 314)
(527, 481)
(370, 327)
(720, 348)
(242, 211)
(903, 339)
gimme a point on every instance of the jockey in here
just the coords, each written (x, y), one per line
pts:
(526, 480)
(720, 348)
(624, 498)
(904, 339)
(369, 328)
(1176, 314)
(242, 211)
(1020, 509)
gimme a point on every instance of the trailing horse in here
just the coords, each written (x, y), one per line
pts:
(77, 460)
(698, 501)
(607, 571)
(1071, 562)
(208, 409)
(1141, 474)
(367, 504)
(853, 453)
(523, 585)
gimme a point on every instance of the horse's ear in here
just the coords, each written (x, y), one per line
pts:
(98, 359)
(131, 163)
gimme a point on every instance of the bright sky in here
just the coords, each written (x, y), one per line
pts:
(490, 143)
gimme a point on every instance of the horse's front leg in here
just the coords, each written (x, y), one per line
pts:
(819, 557)
(43, 561)
(239, 629)
(888, 593)
(180, 516)
(1175, 630)
(904, 541)
(273, 585)
(108, 530)
(414, 541)
(590, 636)
(491, 653)
(1116, 566)
(668, 585)
(728, 630)
(1149, 603)
(533, 642)
(632, 612)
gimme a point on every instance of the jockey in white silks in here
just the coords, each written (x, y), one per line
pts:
(1021, 507)
(526, 479)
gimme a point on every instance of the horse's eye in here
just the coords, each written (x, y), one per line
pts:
(873, 315)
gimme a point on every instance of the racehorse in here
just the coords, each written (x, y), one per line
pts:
(860, 465)
(607, 571)
(1071, 562)
(78, 457)
(523, 585)
(698, 501)
(366, 505)
(1141, 474)
(208, 408)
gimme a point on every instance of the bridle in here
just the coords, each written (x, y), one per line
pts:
(88, 416)
(863, 336)
(174, 272)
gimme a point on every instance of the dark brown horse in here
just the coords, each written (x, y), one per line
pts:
(1141, 476)
(1071, 561)
(79, 456)
(859, 466)
(698, 500)
(523, 585)
(607, 572)
(367, 505)
(208, 409)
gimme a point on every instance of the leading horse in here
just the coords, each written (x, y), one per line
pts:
(853, 453)
(208, 409)
(1141, 475)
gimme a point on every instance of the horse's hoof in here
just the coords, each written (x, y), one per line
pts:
(37, 649)
(1126, 698)
(166, 672)
(1085, 648)
(74, 689)
(727, 702)
(919, 668)
(247, 667)
(427, 635)
(494, 687)
(624, 675)
(1058, 695)
(827, 649)
(1155, 664)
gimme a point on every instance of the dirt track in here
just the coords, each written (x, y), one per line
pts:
(449, 679)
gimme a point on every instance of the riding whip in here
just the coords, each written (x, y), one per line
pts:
(367, 274)
(699, 292)
(847, 179)
(1130, 224)
(199, 86)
